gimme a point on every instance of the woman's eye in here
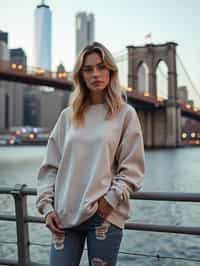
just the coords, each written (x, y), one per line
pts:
(88, 69)
(102, 66)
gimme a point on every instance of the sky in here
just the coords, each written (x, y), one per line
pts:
(117, 24)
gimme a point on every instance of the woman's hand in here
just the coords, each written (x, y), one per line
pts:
(104, 208)
(53, 223)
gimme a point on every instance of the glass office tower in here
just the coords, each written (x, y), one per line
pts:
(43, 16)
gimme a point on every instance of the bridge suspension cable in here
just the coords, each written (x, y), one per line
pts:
(187, 75)
(121, 52)
(121, 56)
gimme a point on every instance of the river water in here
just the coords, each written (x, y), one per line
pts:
(169, 170)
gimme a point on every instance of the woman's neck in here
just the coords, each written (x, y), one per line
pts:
(97, 98)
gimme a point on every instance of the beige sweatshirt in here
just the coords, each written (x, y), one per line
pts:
(103, 158)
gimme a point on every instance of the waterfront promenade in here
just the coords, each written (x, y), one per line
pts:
(170, 171)
(22, 218)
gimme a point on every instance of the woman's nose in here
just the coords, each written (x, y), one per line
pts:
(95, 71)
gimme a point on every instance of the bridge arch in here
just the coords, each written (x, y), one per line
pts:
(162, 83)
(152, 54)
(143, 77)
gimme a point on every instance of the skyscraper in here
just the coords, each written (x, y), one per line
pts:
(4, 56)
(4, 51)
(18, 56)
(84, 30)
(4, 36)
(43, 36)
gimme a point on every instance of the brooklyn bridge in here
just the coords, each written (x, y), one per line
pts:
(166, 122)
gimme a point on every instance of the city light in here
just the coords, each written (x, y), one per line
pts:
(62, 74)
(12, 140)
(24, 130)
(16, 66)
(39, 71)
(193, 134)
(160, 99)
(13, 66)
(20, 67)
(146, 93)
(31, 136)
(188, 106)
(128, 89)
(18, 132)
(35, 130)
(184, 135)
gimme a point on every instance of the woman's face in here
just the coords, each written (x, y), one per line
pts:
(95, 73)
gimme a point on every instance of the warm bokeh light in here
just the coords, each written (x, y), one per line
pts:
(146, 93)
(12, 140)
(193, 134)
(160, 99)
(129, 89)
(20, 67)
(31, 136)
(195, 109)
(39, 71)
(188, 106)
(13, 66)
(62, 74)
(18, 132)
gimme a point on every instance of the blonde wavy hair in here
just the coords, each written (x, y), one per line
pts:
(80, 102)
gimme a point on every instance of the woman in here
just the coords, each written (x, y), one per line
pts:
(94, 160)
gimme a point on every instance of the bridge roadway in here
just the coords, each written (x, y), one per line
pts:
(34, 76)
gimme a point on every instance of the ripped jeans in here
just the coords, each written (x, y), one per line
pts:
(103, 242)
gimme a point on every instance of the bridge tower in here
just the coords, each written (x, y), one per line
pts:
(152, 55)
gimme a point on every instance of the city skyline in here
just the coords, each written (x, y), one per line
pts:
(116, 26)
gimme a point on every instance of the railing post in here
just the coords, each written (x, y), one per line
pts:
(21, 225)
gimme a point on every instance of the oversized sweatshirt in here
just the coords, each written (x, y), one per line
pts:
(103, 158)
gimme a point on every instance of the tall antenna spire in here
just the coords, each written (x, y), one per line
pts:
(43, 4)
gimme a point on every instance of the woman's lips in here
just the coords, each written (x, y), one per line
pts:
(97, 82)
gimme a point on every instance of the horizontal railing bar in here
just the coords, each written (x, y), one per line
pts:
(13, 262)
(25, 191)
(10, 218)
(129, 226)
(34, 219)
(6, 190)
(37, 264)
(163, 228)
(158, 196)
(8, 262)
(39, 244)
(167, 196)
(143, 227)
(8, 242)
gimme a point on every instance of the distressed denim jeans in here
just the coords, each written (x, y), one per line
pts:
(103, 242)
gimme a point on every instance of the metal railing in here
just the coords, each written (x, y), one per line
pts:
(21, 217)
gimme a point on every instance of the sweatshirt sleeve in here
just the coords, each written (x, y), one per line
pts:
(130, 161)
(48, 170)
